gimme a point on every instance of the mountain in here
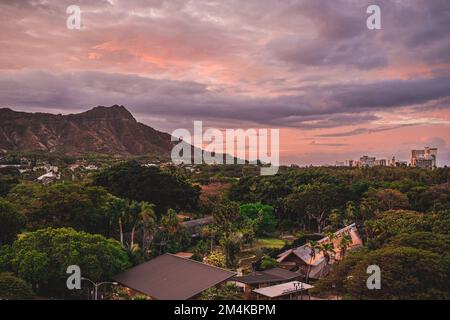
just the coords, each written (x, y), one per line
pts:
(107, 130)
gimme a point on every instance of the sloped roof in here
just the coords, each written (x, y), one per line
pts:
(304, 252)
(283, 289)
(198, 222)
(169, 277)
(268, 276)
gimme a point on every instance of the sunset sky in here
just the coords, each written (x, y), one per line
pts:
(336, 89)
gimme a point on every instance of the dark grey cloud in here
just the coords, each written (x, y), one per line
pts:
(359, 131)
(361, 53)
(418, 30)
(320, 107)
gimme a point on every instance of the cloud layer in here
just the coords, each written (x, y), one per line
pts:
(309, 67)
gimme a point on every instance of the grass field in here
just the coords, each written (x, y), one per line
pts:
(271, 243)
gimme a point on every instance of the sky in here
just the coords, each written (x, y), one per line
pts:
(334, 88)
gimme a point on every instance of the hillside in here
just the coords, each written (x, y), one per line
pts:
(107, 130)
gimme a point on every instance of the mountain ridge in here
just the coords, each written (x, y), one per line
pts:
(107, 130)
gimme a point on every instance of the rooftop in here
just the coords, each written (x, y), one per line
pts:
(268, 276)
(169, 277)
(198, 222)
(283, 289)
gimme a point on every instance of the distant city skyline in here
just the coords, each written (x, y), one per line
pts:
(426, 158)
(335, 89)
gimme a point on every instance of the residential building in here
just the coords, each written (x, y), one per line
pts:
(425, 158)
(262, 279)
(380, 163)
(367, 161)
(49, 177)
(293, 290)
(194, 227)
(302, 260)
(169, 277)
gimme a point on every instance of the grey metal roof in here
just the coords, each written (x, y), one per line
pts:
(283, 289)
(169, 277)
(198, 222)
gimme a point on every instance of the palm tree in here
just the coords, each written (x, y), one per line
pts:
(170, 224)
(314, 245)
(133, 218)
(142, 216)
(344, 243)
(211, 232)
(331, 236)
(327, 248)
(118, 208)
(148, 224)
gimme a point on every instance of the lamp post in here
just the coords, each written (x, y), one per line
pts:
(97, 285)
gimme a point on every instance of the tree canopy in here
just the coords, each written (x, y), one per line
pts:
(406, 273)
(79, 206)
(14, 288)
(42, 257)
(132, 181)
(11, 222)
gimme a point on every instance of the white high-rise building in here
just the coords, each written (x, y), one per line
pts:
(425, 158)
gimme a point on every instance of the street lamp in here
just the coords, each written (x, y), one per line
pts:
(97, 285)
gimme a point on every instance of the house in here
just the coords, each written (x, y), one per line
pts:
(301, 259)
(169, 277)
(294, 290)
(261, 279)
(91, 167)
(48, 177)
(194, 226)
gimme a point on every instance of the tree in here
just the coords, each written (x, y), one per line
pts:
(200, 250)
(142, 216)
(67, 204)
(317, 201)
(430, 241)
(13, 288)
(335, 219)
(268, 262)
(228, 291)
(217, 259)
(429, 199)
(314, 248)
(172, 235)
(350, 214)
(11, 222)
(262, 215)
(9, 177)
(344, 242)
(117, 210)
(148, 224)
(211, 232)
(132, 181)
(388, 224)
(368, 207)
(407, 273)
(327, 248)
(42, 257)
(6, 255)
(226, 213)
(389, 199)
(231, 242)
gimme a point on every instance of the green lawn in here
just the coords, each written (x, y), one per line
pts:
(271, 243)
